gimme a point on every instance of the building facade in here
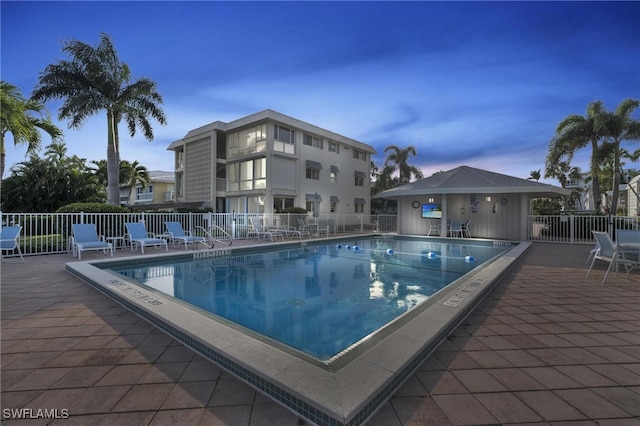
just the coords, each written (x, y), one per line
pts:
(159, 191)
(268, 161)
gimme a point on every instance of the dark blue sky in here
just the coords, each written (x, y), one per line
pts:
(468, 83)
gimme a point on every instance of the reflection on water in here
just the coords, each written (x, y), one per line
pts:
(321, 299)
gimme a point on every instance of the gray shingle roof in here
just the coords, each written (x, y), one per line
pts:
(465, 179)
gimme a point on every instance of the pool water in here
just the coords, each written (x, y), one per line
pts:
(319, 300)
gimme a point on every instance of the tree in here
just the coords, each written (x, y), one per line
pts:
(618, 126)
(573, 133)
(46, 184)
(94, 81)
(535, 175)
(134, 174)
(17, 117)
(398, 159)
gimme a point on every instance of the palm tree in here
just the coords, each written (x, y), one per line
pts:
(95, 80)
(134, 174)
(534, 175)
(573, 133)
(616, 127)
(17, 118)
(398, 158)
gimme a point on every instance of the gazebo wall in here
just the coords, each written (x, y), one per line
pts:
(504, 217)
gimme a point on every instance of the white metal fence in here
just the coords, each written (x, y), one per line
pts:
(47, 233)
(576, 229)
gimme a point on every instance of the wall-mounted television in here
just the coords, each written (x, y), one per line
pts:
(432, 211)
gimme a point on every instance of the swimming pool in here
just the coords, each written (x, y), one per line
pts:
(320, 300)
(324, 388)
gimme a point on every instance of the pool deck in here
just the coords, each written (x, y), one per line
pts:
(546, 345)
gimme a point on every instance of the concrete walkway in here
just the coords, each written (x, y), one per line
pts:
(547, 345)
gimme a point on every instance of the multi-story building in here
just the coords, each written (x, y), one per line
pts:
(158, 192)
(268, 161)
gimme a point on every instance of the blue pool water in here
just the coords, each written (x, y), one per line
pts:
(318, 299)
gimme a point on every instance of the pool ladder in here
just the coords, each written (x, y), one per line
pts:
(210, 240)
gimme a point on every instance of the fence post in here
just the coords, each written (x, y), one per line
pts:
(572, 233)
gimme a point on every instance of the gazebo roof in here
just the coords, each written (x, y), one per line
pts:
(468, 180)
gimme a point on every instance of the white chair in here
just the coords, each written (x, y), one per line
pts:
(433, 227)
(466, 231)
(257, 229)
(10, 239)
(608, 252)
(456, 228)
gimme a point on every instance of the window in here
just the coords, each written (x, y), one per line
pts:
(358, 204)
(333, 175)
(309, 205)
(247, 175)
(313, 141)
(360, 155)
(284, 140)
(248, 141)
(313, 169)
(313, 174)
(280, 203)
(144, 194)
(359, 179)
(334, 203)
(334, 147)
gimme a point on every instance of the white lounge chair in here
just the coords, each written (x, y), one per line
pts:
(10, 239)
(85, 237)
(138, 236)
(257, 229)
(179, 236)
(433, 227)
(609, 252)
(455, 229)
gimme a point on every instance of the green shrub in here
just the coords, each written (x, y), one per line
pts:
(92, 208)
(295, 210)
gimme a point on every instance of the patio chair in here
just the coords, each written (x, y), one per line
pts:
(466, 231)
(257, 229)
(85, 237)
(138, 236)
(609, 252)
(179, 236)
(433, 227)
(456, 228)
(10, 239)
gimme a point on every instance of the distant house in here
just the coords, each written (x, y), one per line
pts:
(268, 161)
(495, 204)
(159, 191)
(633, 196)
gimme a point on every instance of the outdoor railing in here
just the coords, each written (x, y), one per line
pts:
(576, 229)
(49, 233)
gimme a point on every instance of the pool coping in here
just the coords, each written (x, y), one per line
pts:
(348, 395)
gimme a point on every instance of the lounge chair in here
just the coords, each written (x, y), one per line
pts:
(179, 236)
(138, 236)
(455, 229)
(10, 239)
(257, 229)
(85, 237)
(609, 252)
(466, 231)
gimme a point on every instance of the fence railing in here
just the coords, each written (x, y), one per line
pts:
(576, 229)
(49, 233)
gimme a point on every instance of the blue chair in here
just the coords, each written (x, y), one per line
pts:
(178, 235)
(10, 239)
(138, 236)
(85, 237)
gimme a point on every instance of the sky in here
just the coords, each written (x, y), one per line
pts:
(482, 84)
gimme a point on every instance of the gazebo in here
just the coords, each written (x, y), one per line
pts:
(495, 204)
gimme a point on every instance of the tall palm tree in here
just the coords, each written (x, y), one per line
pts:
(398, 158)
(17, 117)
(618, 126)
(573, 133)
(93, 81)
(534, 175)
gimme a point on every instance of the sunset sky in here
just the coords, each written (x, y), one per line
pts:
(482, 84)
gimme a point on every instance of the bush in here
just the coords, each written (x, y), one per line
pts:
(92, 208)
(295, 210)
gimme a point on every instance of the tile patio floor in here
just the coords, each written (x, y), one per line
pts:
(547, 346)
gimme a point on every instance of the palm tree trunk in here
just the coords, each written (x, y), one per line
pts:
(595, 182)
(616, 180)
(113, 163)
